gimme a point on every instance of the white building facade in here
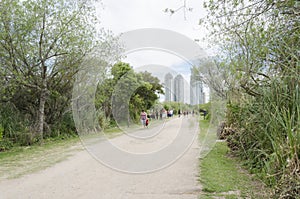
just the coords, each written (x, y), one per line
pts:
(169, 87)
(197, 95)
(179, 89)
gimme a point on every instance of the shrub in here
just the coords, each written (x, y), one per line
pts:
(64, 128)
(15, 126)
(267, 135)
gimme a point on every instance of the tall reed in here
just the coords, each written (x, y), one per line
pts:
(267, 134)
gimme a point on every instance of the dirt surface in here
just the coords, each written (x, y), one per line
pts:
(83, 176)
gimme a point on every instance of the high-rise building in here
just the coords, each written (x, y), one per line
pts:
(179, 89)
(169, 87)
(197, 95)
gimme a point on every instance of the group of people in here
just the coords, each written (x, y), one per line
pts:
(163, 113)
(144, 119)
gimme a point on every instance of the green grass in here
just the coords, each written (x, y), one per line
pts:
(22, 160)
(19, 161)
(207, 137)
(221, 176)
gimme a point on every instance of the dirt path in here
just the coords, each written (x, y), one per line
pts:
(82, 176)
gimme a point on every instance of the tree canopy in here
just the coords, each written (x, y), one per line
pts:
(258, 60)
(126, 93)
(42, 44)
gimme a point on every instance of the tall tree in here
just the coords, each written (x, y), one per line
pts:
(126, 93)
(252, 35)
(42, 43)
(149, 90)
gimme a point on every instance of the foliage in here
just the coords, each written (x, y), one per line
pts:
(178, 106)
(150, 89)
(268, 132)
(4, 143)
(259, 44)
(205, 109)
(15, 125)
(64, 128)
(215, 76)
(42, 44)
(1, 132)
(122, 96)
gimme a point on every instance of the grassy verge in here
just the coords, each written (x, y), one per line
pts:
(19, 161)
(222, 176)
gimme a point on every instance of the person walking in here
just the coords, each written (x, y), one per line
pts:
(143, 118)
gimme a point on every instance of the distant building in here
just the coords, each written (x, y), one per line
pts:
(169, 87)
(179, 89)
(197, 95)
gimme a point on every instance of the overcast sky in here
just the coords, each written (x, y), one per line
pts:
(124, 15)
(121, 16)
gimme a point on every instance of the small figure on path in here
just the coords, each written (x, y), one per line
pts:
(204, 114)
(169, 113)
(143, 118)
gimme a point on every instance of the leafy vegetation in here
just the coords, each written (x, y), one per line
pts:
(258, 70)
(42, 44)
(123, 96)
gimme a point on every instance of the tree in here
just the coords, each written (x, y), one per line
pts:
(215, 76)
(126, 93)
(149, 90)
(251, 36)
(42, 44)
(259, 44)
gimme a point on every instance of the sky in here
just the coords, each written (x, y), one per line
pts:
(124, 15)
(121, 16)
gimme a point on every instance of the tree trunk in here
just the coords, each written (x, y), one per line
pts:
(41, 115)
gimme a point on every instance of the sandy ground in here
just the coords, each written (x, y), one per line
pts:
(83, 176)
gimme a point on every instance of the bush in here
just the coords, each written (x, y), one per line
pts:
(5, 145)
(267, 136)
(63, 129)
(15, 126)
(103, 121)
(1, 132)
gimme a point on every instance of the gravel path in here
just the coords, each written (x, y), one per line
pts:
(82, 176)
